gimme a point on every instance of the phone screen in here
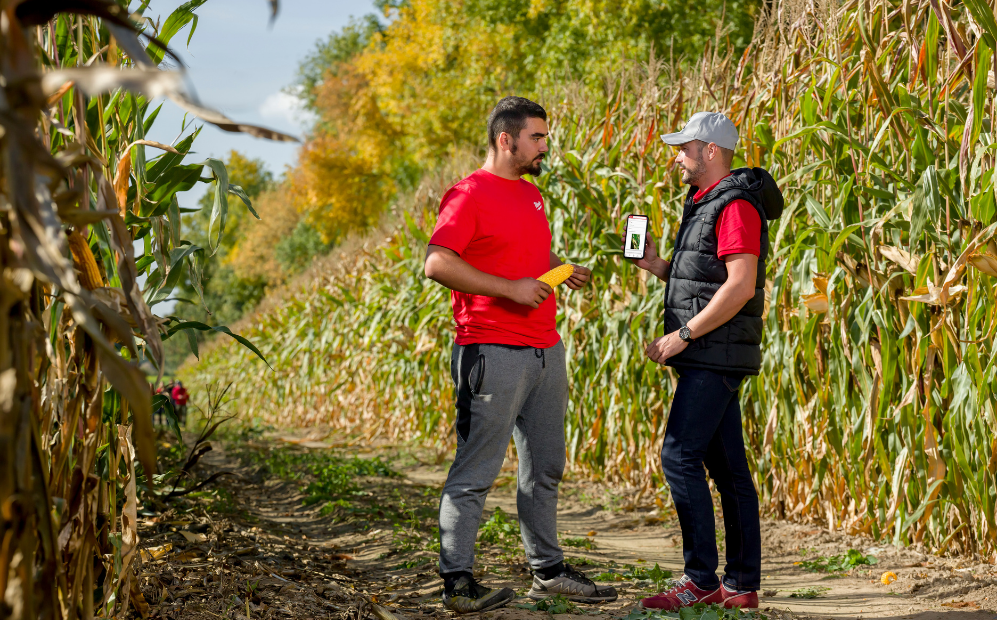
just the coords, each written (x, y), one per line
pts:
(636, 235)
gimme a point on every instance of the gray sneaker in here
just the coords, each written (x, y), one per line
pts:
(469, 596)
(573, 586)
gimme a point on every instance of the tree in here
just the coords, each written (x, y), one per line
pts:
(398, 96)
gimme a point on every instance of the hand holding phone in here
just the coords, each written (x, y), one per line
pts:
(647, 259)
(635, 237)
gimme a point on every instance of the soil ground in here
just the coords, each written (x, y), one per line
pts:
(270, 542)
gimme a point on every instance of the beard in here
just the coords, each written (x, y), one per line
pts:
(534, 168)
(528, 166)
(692, 171)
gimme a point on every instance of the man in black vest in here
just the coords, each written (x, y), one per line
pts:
(714, 303)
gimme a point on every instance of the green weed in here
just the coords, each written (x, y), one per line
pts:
(500, 529)
(585, 562)
(330, 507)
(332, 478)
(579, 542)
(434, 541)
(656, 575)
(218, 499)
(837, 563)
(414, 562)
(810, 592)
(556, 604)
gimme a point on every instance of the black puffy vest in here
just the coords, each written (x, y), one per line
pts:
(697, 273)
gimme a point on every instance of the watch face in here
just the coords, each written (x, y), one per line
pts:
(685, 333)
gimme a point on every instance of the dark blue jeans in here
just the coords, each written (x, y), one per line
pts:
(704, 428)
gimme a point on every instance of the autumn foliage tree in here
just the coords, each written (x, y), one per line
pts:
(397, 96)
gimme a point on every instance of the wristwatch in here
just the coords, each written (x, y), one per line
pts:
(685, 333)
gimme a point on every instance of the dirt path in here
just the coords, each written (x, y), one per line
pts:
(253, 548)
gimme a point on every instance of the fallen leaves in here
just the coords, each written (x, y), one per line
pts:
(192, 537)
(156, 553)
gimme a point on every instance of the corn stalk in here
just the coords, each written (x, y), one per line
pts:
(78, 340)
(875, 409)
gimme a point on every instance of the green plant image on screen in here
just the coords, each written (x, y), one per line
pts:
(635, 241)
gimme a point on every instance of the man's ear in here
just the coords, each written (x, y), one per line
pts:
(504, 141)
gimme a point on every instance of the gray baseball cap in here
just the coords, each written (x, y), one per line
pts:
(706, 126)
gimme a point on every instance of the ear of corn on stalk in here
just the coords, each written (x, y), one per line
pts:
(987, 263)
(85, 263)
(557, 275)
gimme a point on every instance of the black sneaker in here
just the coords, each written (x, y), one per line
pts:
(573, 586)
(469, 596)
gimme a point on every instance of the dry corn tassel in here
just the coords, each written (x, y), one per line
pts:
(557, 275)
(84, 261)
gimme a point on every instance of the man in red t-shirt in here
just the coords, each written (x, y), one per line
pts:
(714, 300)
(491, 242)
(180, 397)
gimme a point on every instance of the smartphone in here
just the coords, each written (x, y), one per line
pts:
(636, 236)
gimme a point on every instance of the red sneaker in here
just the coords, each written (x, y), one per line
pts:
(744, 599)
(684, 594)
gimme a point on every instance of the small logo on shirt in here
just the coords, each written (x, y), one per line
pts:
(538, 205)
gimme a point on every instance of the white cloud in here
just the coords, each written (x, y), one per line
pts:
(286, 108)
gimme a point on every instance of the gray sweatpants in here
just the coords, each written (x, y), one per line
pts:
(503, 392)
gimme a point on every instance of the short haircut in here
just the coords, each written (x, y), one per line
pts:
(726, 156)
(510, 116)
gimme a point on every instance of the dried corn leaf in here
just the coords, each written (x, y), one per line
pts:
(152, 83)
(933, 295)
(129, 512)
(901, 257)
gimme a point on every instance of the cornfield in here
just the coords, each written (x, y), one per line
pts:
(78, 342)
(875, 409)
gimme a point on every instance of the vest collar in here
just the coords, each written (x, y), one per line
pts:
(718, 188)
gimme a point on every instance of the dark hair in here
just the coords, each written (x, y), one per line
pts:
(509, 116)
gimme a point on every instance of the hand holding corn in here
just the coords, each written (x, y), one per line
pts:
(575, 276)
(528, 292)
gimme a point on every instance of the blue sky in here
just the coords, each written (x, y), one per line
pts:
(240, 65)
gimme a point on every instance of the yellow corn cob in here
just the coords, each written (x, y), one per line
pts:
(84, 261)
(557, 275)
(888, 578)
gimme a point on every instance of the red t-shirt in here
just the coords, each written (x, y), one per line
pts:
(180, 395)
(499, 227)
(739, 229)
